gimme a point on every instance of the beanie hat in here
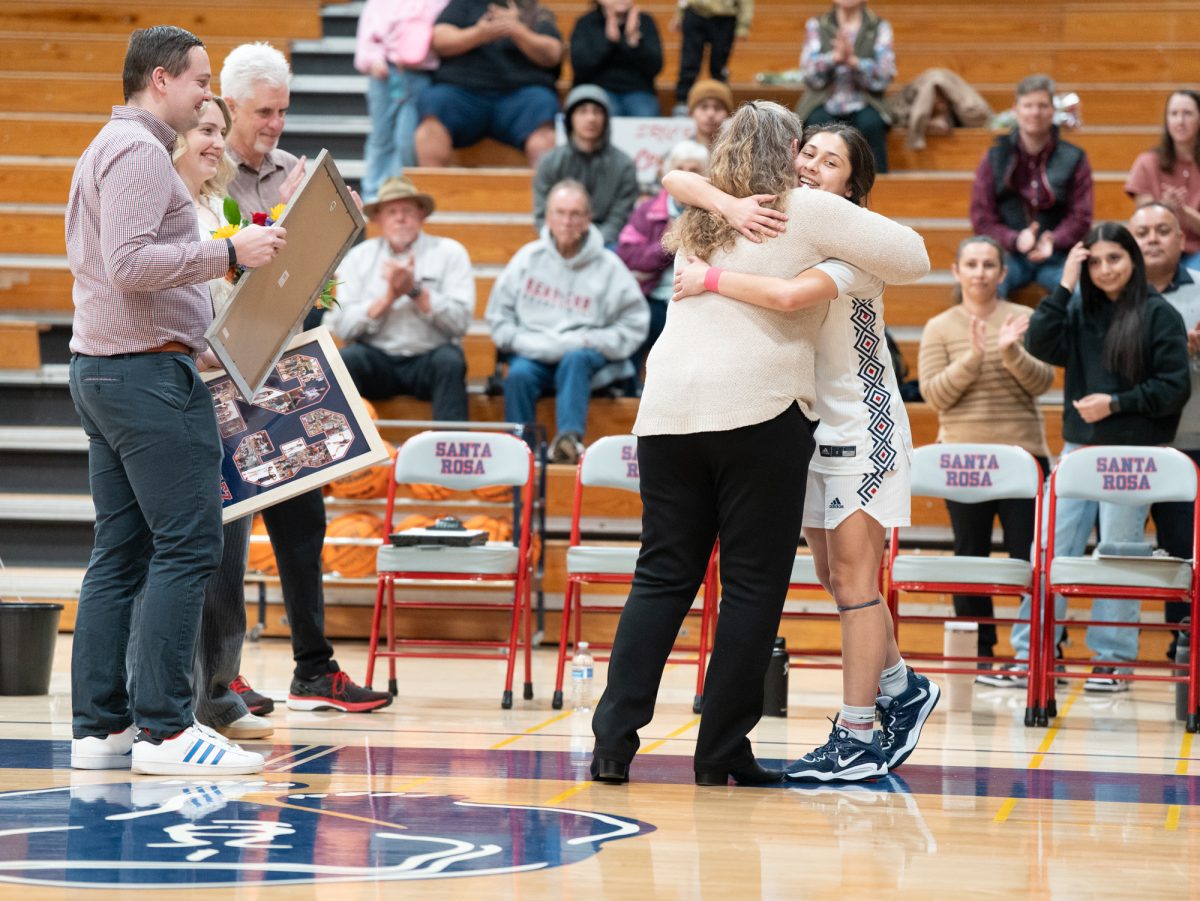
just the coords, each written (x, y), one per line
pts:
(710, 89)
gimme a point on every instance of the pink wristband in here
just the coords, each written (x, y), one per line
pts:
(712, 278)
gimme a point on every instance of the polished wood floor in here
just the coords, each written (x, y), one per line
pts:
(458, 798)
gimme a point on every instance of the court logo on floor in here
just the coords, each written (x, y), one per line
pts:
(185, 833)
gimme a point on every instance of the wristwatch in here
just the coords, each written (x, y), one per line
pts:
(415, 291)
(1114, 405)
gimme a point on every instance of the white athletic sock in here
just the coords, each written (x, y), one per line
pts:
(859, 722)
(893, 681)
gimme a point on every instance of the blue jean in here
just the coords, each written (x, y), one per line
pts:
(571, 378)
(154, 466)
(1072, 527)
(633, 103)
(1022, 272)
(392, 105)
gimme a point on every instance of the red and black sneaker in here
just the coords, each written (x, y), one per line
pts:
(260, 705)
(334, 691)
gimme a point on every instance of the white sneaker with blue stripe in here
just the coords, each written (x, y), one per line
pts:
(194, 751)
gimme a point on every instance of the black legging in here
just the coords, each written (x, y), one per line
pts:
(745, 486)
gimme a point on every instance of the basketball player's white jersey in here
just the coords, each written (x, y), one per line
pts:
(863, 424)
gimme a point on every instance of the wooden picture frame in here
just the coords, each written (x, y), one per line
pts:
(269, 304)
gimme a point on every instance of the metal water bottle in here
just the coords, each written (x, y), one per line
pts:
(775, 686)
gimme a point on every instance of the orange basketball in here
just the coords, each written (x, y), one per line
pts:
(262, 557)
(365, 483)
(430, 492)
(353, 560)
(498, 529)
(416, 521)
(497, 494)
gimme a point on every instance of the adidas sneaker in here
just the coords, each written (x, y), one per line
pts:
(195, 750)
(112, 752)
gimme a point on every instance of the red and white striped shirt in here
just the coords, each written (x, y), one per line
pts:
(140, 273)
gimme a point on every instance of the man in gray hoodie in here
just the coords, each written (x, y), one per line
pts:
(570, 314)
(608, 173)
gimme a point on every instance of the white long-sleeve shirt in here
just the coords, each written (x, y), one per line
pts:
(441, 266)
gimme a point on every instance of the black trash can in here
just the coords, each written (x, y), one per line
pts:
(27, 635)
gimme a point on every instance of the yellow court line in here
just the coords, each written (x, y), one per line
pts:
(1181, 769)
(1040, 754)
(573, 790)
(690, 724)
(530, 730)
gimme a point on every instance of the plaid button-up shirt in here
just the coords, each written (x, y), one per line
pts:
(140, 272)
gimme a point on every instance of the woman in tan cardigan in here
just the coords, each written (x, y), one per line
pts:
(976, 373)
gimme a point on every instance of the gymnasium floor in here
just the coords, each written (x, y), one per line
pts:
(458, 798)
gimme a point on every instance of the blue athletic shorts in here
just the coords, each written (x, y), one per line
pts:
(508, 116)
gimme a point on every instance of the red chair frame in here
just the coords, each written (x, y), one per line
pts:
(521, 579)
(1191, 594)
(573, 606)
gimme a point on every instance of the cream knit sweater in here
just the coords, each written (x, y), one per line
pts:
(722, 364)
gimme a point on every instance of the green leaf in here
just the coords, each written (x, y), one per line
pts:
(233, 213)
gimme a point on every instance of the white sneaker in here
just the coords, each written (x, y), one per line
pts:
(109, 753)
(247, 727)
(195, 750)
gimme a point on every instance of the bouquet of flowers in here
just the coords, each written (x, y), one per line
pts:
(235, 222)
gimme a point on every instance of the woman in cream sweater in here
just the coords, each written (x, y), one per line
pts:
(725, 437)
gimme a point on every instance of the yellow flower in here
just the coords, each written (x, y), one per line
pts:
(277, 211)
(226, 231)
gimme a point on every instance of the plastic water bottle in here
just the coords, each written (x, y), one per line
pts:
(582, 669)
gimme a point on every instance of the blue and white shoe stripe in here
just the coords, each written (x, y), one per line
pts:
(205, 748)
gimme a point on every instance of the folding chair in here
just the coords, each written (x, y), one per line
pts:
(612, 463)
(970, 474)
(459, 460)
(1125, 475)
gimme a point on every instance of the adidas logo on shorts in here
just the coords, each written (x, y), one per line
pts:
(836, 504)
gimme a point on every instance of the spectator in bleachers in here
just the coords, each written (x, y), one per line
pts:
(1170, 173)
(709, 103)
(1161, 239)
(640, 242)
(570, 314)
(405, 300)
(848, 62)
(707, 22)
(1033, 192)
(590, 158)
(1125, 355)
(393, 49)
(617, 46)
(496, 79)
(984, 384)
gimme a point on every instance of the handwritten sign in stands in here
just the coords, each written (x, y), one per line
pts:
(269, 304)
(646, 140)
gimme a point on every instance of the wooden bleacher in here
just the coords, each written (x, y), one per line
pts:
(59, 74)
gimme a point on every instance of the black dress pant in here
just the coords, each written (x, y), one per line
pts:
(716, 31)
(1173, 527)
(439, 375)
(746, 487)
(297, 531)
(972, 525)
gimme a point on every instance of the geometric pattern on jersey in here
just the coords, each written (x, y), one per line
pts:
(876, 397)
(869, 487)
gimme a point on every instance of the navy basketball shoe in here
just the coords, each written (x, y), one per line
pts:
(841, 759)
(904, 715)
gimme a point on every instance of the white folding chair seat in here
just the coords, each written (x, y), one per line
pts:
(1132, 572)
(493, 558)
(804, 571)
(966, 570)
(594, 558)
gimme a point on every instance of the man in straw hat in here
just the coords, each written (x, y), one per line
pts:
(405, 301)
